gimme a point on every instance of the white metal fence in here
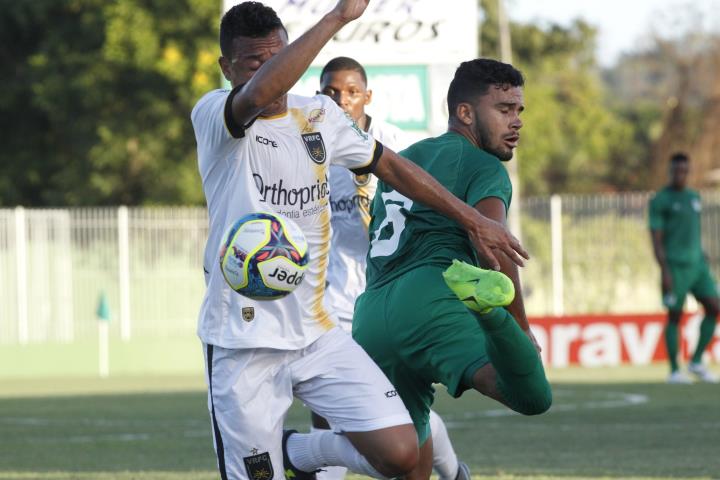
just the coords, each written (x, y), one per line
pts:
(591, 254)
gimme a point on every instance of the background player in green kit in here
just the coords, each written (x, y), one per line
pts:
(675, 229)
(409, 320)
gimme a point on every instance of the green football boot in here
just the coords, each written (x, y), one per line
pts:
(479, 289)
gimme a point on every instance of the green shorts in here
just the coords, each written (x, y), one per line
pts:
(692, 278)
(419, 333)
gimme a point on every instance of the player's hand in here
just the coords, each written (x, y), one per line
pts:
(491, 237)
(349, 10)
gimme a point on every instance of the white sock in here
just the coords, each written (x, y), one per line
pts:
(445, 461)
(329, 472)
(318, 450)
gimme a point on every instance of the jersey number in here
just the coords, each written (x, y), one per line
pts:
(394, 204)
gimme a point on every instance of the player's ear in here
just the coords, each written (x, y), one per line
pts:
(368, 97)
(225, 67)
(464, 113)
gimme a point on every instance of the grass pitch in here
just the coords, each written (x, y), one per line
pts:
(609, 423)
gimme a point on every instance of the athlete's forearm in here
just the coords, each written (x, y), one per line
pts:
(416, 184)
(276, 76)
(488, 236)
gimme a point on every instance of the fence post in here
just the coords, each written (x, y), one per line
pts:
(103, 318)
(557, 254)
(21, 271)
(124, 272)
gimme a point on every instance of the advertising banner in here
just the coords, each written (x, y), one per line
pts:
(610, 340)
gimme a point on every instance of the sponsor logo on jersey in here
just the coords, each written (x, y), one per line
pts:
(349, 204)
(391, 393)
(248, 313)
(259, 467)
(279, 194)
(361, 180)
(316, 116)
(315, 146)
(266, 141)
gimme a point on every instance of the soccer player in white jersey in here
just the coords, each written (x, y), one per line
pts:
(261, 149)
(345, 81)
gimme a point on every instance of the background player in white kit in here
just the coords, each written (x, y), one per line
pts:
(345, 81)
(260, 149)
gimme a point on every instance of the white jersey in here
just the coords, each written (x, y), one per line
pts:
(350, 198)
(276, 164)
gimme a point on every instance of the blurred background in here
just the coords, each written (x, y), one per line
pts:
(103, 221)
(100, 198)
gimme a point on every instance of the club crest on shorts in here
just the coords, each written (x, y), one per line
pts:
(259, 467)
(315, 146)
(248, 313)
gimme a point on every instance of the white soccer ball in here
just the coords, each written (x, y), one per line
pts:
(263, 256)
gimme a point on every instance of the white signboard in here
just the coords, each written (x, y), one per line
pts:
(410, 49)
(390, 32)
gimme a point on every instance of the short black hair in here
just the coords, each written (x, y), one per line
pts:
(474, 78)
(344, 63)
(247, 19)
(679, 157)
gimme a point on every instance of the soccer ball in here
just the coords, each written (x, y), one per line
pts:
(263, 256)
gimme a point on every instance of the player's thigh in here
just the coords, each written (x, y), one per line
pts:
(337, 379)
(683, 277)
(437, 341)
(704, 286)
(377, 333)
(249, 393)
(439, 334)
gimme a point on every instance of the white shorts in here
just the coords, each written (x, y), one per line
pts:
(251, 390)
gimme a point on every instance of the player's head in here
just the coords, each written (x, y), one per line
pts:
(250, 34)
(679, 168)
(345, 81)
(485, 100)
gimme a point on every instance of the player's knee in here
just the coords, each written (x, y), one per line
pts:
(396, 459)
(399, 460)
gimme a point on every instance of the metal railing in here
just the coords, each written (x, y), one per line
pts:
(591, 254)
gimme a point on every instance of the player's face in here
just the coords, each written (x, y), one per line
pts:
(248, 55)
(348, 90)
(679, 173)
(497, 120)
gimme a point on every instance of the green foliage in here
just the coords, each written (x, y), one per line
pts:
(573, 141)
(96, 109)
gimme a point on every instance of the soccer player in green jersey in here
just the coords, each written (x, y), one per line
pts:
(413, 318)
(675, 229)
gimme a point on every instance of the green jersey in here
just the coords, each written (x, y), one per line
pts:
(405, 234)
(677, 214)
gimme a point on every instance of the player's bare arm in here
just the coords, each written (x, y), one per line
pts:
(494, 208)
(659, 250)
(270, 78)
(488, 236)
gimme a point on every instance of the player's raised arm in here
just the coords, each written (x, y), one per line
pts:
(412, 181)
(271, 68)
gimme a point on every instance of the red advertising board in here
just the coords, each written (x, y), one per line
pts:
(607, 340)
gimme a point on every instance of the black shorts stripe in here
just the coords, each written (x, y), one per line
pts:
(220, 449)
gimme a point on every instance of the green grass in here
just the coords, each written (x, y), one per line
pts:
(605, 423)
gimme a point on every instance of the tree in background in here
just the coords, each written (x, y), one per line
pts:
(570, 131)
(96, 102)
(677, 75)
